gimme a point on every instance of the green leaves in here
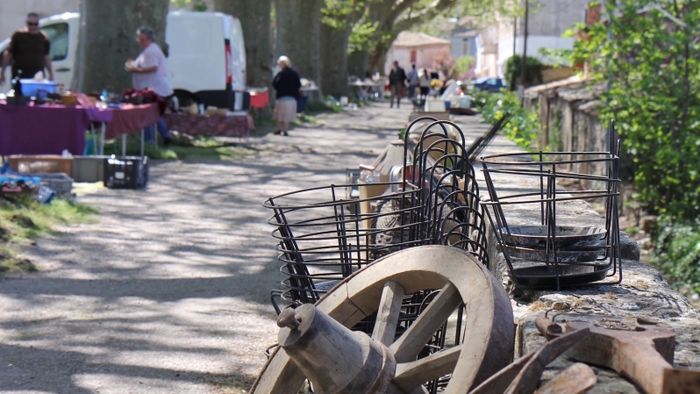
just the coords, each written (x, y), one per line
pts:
(650, 62)
(523, 128)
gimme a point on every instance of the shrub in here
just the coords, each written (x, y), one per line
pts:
(533, 71)
(523, 128)
(677, 253)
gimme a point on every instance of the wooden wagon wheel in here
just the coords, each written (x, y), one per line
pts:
(337, 360)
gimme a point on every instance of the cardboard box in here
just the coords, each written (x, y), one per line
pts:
(27, 164)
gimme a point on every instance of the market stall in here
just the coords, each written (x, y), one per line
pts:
(54, 128)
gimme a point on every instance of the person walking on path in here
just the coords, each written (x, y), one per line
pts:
(149, 71)
(397, 81)
(412, 81)
(287, 86)
(29, 52)
(424, 83)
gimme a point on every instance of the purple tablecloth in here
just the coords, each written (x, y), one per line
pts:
(49, 129)
(42, 129)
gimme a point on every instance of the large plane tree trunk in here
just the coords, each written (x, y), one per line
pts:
(108, 38)
(334, 59)
(255, 21)
(298, 28)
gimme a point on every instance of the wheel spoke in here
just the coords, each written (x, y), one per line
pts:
(388, 313)
(407, 347)
(413, 374)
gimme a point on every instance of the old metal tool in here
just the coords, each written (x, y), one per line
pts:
(640, 349)
(575, 379)
(316, 343)
(523, 375)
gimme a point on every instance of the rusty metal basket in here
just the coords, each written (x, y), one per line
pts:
(561, 249)
(324, 236)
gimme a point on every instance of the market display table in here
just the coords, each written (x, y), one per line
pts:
(238, 125)
(130, 118)
(53, 128)
(44, 129)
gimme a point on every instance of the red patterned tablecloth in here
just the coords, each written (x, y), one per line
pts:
(210, 125)
(130, 118)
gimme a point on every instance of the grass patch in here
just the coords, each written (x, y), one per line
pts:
(24, 219)
(181, 148)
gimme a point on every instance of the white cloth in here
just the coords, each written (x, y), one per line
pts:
(158, 81)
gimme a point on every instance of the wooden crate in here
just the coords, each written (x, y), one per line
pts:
(28, 164)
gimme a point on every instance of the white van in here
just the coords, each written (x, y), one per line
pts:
(206, 55)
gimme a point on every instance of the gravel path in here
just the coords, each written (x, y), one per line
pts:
(168, 292)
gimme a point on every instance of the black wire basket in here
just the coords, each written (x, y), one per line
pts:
(567, 245)
(437, 162)
(324, 236)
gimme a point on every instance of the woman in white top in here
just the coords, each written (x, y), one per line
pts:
(149, 70)
(424, 83)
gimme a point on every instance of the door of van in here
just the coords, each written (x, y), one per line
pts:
(63, 47)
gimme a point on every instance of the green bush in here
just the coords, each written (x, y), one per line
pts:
(533, 71)
(651, 63)
(677, 253)
(523, 128)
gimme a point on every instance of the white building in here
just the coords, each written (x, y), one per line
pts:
(416, 48)
(547, 21)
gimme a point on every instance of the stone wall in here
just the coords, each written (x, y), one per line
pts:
(568, 108)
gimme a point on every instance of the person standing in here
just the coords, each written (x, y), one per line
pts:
(424, 83)
(397, 81)
(287, 86)
(28, 52)
(149, 71)
(412, 81)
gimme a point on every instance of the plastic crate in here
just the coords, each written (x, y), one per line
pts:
(126, 172)
(89, 168)
(59, 182)
(30, 87)
(27, 164)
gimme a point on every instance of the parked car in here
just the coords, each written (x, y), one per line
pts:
(206, 55)
(489, 84)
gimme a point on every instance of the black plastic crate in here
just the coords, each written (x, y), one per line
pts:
(126, 172)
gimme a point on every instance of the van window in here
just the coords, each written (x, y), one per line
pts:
(58, 36)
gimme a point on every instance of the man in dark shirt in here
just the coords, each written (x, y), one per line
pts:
(397, 80)
(28, 53)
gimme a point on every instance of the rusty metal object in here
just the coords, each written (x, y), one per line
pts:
(367, 366)
(575, 379)
(640, 349)
(523, 375)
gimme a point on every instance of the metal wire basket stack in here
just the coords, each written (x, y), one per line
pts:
(324, 236)
(437, 162)
(566, 247)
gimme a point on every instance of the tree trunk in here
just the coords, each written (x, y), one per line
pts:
(108, 38)
(334, 60)
(298, 28)
(377, 56)
(358, 63)
(255, 21)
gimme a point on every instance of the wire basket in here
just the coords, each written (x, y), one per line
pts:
(324, 236)
(565, 247)
(437, 161)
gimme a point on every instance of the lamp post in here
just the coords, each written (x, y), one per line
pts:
(523, 63)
